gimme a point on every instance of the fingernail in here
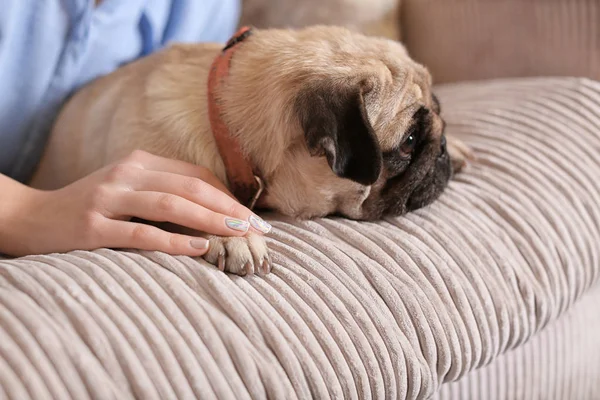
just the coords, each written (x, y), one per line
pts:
(199, 243)
(237, 224)
(259, 224)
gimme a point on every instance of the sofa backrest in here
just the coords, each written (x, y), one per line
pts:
(480, 39)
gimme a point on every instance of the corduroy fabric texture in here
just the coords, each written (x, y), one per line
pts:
(462, 40)
(381, 310)
(560, 363)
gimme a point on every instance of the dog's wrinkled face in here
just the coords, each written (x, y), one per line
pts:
(370, 137)
(403, 162)
(416, 170)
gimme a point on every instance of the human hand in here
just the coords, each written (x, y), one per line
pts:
(95, 211)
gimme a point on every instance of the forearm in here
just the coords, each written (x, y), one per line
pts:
(14, 198)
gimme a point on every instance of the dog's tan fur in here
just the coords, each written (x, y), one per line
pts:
(159, 104)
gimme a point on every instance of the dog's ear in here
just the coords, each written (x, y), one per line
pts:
(335, 123)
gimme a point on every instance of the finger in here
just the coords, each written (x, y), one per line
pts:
(166, 207)
(125, 234)
(156, 163)
(199, 192)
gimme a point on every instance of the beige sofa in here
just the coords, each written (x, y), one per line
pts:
(462, 40)
(489, 293)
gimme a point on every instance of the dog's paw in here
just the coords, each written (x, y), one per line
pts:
(460, 154)
(239, 255)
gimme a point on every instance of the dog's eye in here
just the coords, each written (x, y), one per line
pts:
(408, 146)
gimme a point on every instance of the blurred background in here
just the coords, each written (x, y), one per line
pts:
(461, 40)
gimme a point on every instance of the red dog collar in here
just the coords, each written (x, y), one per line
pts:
(245, 184)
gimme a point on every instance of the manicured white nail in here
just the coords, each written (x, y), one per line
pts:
(199, 243)
(237, 224)
(259, 224)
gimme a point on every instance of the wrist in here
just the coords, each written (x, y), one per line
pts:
(17, 204)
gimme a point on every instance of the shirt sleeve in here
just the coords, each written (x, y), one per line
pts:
(50, 48)
(191, 21)
(32, 38)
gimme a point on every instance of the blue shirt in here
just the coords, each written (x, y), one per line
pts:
(49, 48)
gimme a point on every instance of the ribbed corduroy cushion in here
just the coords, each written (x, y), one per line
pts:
(356, 310)
(562, 362)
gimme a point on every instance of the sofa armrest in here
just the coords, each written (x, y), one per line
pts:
(477, 39)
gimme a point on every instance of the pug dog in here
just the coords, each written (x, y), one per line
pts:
(308, 123)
